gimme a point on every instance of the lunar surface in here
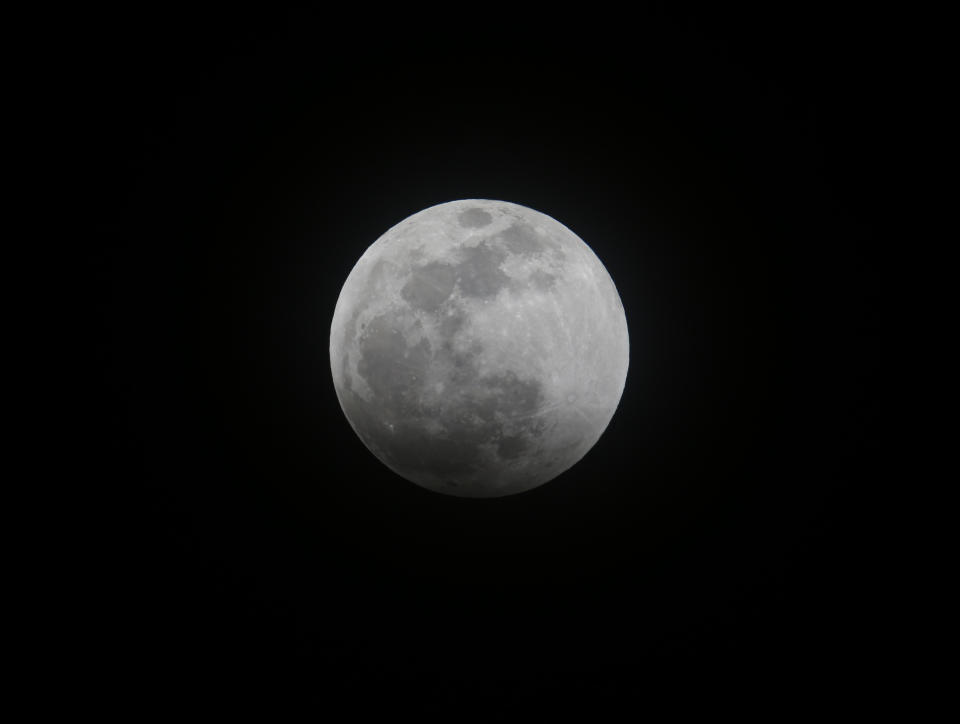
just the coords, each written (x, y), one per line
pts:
(479, 348)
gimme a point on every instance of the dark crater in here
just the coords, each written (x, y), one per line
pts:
(510, 448)
(479, 274)
(393, 370)
(542, 281)
(429, 286)
(474, 218)
(522, 239)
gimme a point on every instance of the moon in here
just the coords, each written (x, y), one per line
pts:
(479, 348)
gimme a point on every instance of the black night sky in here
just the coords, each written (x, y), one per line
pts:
(723, 168)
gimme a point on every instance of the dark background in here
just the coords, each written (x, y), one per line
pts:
(723, 166)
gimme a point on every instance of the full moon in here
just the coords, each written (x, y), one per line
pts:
(479, 348)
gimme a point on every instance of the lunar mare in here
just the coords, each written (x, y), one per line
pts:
(479, 348)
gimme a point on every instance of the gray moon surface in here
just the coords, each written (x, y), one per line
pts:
(479, 348)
